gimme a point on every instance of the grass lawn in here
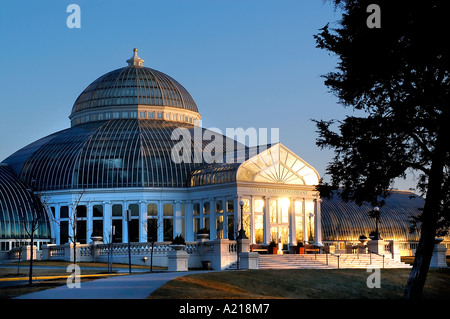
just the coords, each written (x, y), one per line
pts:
(300, 284)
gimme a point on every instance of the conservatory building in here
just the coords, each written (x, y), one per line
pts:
(117, 159)
(137, 166)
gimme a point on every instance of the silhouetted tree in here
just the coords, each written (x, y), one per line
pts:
(396, 76)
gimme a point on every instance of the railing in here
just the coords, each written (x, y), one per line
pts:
(370, 256)
(334, 255)
(141, 249)
(221, 253)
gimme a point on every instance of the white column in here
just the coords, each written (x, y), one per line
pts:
(107, 221)
(177, 224)
(212, 218)
(142, 221)
(237, 215)
(266, 220)
(160, 222)
(305, 224)
(89, 224)
(124, 222)
(317, 222)
(189, 220)
(251, 236)
(292, 230)
(224, 217)
(56, 224)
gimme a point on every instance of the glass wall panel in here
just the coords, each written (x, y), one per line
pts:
(219, 207)
(168, 229)
(230, 206)
(259, 229)
(117, 224)
(97, 227)
(152, 210)
(196, 209)
(64, 212)
(231, 229)
(81, 231)
(247, 224)
(81, 211)
(299, 221)
(133, 231)
(64, 232)
(134, 208)
(97, 211)
(168, 209)
(219, 226)
(196, 225)
(117, 210)
(284, 206)
(309, 211)
(206, 208)
(273, 211)
(259, 206)
(152, 229)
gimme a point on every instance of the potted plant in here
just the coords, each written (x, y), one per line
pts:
(273, 249)
(178, 243)
(203, 233)
(363, 239)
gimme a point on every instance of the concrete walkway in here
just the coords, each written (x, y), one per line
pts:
(120, 287)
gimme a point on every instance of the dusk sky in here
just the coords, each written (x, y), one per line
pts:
(251, 63)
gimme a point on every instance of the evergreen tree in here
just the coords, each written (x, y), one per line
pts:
(393, 68)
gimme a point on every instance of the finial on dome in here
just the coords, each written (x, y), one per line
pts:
(135, 60)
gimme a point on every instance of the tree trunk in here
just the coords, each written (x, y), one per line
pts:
(424, 252)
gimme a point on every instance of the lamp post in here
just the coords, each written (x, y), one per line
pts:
(242, 231)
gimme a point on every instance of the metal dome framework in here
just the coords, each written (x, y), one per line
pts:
(134, 91)
(343, 221)
(109, 154)
(18, 207)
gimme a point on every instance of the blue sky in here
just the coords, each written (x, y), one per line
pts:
(247, 63)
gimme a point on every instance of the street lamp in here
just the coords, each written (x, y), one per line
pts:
(242, 231)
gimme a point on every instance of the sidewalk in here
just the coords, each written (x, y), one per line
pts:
(120, 287)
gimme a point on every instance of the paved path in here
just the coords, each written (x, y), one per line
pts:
(120, 287)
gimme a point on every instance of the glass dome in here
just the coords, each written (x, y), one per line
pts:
(346, 221)
(18, 205)
(110, 154)
(131, 92)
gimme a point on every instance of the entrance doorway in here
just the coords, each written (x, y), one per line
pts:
(280, 234)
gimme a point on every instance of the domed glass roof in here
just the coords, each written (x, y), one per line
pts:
(347, 221)
(110, 154)
(18, 205)
(126, 88)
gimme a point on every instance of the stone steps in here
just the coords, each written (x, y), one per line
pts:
(319, 261)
